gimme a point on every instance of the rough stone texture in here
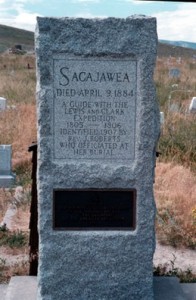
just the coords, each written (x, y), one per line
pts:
(97, 264)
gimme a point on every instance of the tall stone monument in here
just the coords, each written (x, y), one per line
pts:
(98, 126)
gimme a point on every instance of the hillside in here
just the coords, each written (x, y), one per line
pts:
(180, 43)
(10, 36)
(165, 49)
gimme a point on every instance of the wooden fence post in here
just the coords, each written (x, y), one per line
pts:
(33, 238)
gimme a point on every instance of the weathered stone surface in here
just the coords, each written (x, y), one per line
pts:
(92, 123)
(96, 264)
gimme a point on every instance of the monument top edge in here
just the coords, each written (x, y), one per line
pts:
(128, 18)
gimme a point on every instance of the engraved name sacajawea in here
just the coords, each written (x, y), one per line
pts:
(94, 108)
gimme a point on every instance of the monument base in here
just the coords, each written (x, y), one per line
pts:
(7, 181)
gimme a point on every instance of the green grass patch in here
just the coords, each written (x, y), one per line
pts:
(15, 239)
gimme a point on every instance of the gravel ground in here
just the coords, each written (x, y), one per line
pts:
(184, 258)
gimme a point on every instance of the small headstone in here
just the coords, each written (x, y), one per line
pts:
(162, 118)
(192, 107)
(5, 159)
(11, 107)
(174, 73)
(6, 175)
(174, 107)
(2, 103)
(174, 86)
(179, 60)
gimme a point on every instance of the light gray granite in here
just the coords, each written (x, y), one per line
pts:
(75, 58)
(92, 116)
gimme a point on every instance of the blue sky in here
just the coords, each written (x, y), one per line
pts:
(175, 20)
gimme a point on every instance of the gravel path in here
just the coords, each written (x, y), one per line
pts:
(184, 258)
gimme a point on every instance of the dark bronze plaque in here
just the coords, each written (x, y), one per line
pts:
(94, 209)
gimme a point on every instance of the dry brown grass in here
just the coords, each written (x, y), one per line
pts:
(175, 192)
(20, 268)
(13, 262)
(185, 84)
(6, 197)
(17, 83)
(17, 127)
(21, 219)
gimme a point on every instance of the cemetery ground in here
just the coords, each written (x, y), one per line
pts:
(175, 181)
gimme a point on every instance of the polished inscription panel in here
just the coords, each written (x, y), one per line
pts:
(94, 108)
(94, 209)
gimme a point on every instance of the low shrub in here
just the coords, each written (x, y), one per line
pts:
(169, 269)
(15, 239)
(178, 140)
(175, 190)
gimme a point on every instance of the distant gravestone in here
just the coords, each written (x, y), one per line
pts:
(2, 103)
(162, 118)
(192, 107)
(174, 73)
(174, 107)
(98, 126)
(18, 47)
(6, 176)
(179, 60)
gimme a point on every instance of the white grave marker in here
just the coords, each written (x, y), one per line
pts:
(2, 103)
(192, 107)
(6, 176)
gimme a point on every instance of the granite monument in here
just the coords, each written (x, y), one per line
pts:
(98, 126)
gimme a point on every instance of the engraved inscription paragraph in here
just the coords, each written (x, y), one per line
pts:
(94, 108)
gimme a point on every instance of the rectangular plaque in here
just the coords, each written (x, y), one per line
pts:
(94, 209)
(94, 108)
